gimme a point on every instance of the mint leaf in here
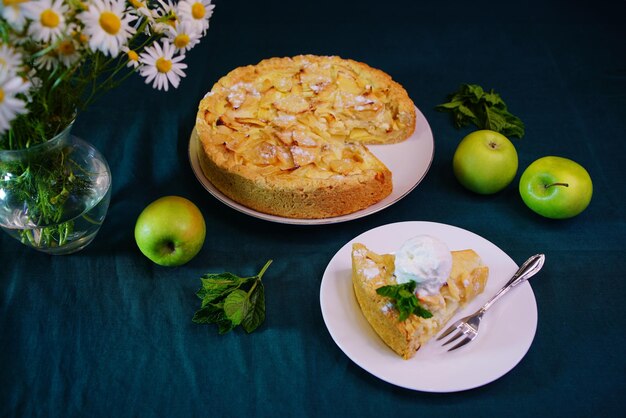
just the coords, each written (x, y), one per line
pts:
(471, 104)
(214, 286)
(236, 306)
(256, 313)
(207, 315)
(388, 291)
(404, 299)
(224, 325)
(419, 310)
(406, 305)
(229, 300)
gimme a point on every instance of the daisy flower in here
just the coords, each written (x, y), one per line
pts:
(48, 19)
(196, 11)
(133, 57)
(48, 62)
(158, 28)
(10, 104)
(10, 59)
(141, 9)
(13, 13)
(166, 17)
(68, 51)
(160, 65)
(184, 36)
(107, 25)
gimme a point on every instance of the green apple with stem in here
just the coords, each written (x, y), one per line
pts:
(170, 231)
(485, 162)
(556, 187)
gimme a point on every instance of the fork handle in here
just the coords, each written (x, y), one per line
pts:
(525, 272)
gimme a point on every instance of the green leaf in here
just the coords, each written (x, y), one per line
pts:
(475, 92)
(256, 313)
(493, 99)
(472, 105)
(450, 105)
(390, 291)
(466, 111)
(404, 299)
(229, 300)
(514, 129)
(217, 286)
(404, 293)
(406, 304)
(207, 315)
(494, 120)
(236, 306)
(420, 311)
(224, 325)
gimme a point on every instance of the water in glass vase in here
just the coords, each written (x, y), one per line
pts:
(81, 215)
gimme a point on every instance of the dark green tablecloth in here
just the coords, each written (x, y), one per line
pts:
(105, 332)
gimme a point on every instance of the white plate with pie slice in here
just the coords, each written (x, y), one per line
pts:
(408, 161)
(506, 332)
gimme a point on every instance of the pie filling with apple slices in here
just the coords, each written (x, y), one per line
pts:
(288, 136)
(371, 271)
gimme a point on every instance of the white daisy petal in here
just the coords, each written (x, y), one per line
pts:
(197, 12)
(14, 15)
(48, 19)
(68, 52)
(10, 105)
(160, 67)
(47, 62)
(10, 59)
(107, 26)
(184, 36)
(141, 9)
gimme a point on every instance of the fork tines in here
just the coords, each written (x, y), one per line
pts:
(464, 329)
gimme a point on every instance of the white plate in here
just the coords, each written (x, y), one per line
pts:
(409, 162)
(506, 332)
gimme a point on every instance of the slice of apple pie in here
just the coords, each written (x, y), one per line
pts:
(371, 271)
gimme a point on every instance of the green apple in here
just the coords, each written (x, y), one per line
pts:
(170, 231)
(556, 187)
(485, 162)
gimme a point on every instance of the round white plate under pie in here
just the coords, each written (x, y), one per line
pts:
(408, 161)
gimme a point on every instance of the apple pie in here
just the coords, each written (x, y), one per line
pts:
(371, 271)
(288, 136)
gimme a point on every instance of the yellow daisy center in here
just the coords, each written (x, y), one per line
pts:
(110, 23)
(197, 10)
(49, 18)
(66, 48)
(1, 95)
(181, 40)
(132, 56)
(137, 4)
(163, 65)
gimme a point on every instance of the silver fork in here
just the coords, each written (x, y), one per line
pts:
(468, 326)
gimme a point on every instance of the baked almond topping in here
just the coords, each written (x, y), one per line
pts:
(306, 102)
(307, 118)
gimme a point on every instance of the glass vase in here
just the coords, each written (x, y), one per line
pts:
(54, 196)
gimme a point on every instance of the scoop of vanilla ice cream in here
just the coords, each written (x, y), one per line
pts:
(425, 260)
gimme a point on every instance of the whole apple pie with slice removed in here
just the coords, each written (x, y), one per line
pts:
(288, 136)
(465, 278)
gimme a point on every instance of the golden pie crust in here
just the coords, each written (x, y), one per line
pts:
(288, 136)
(371, 271)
